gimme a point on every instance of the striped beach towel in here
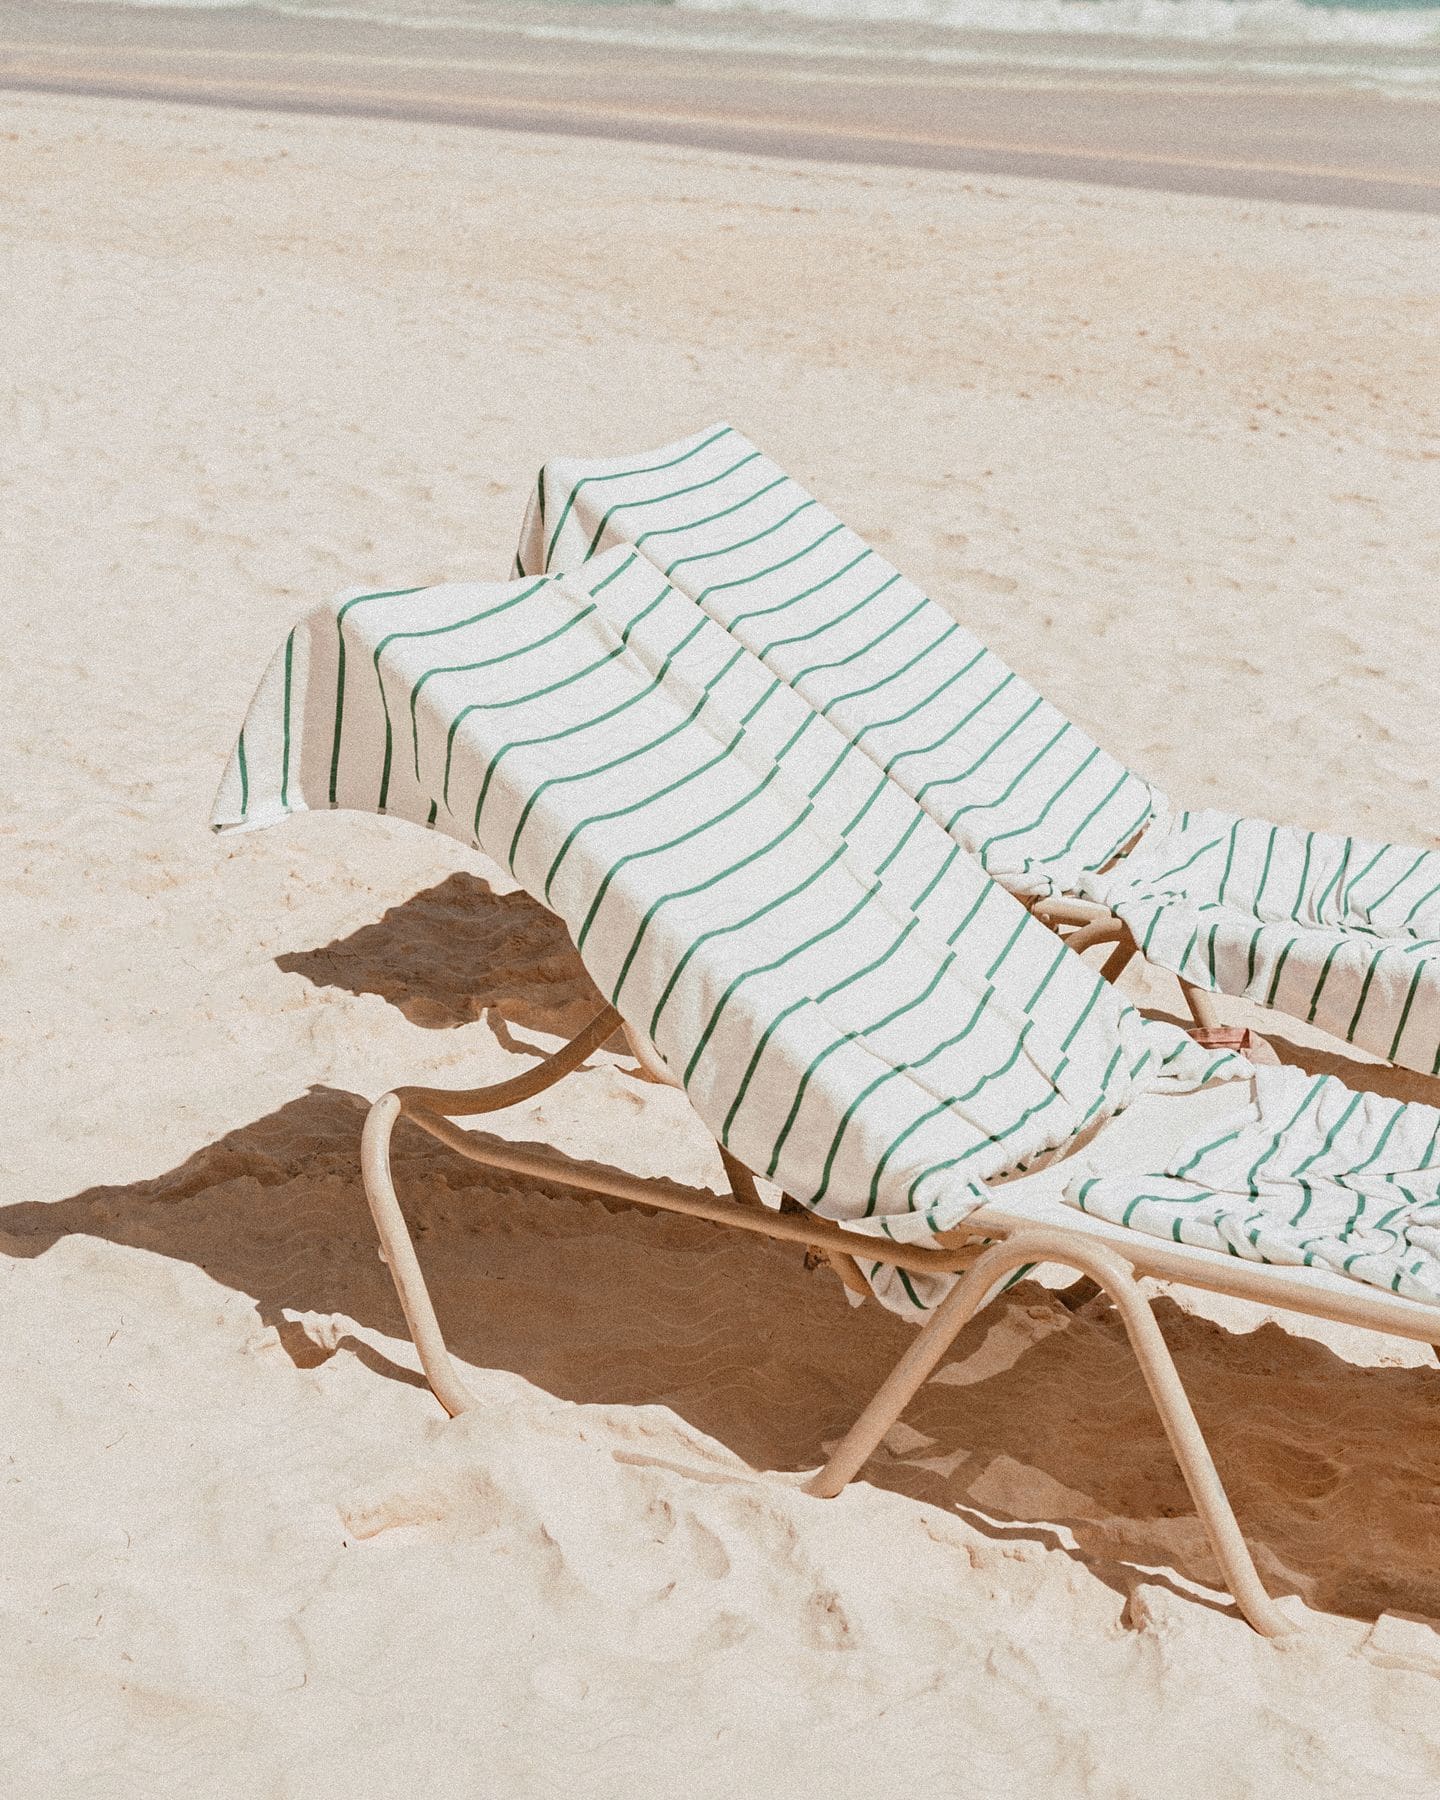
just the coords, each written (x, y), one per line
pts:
(882, 1042)
(896, 843)
(999, 769)
(878, 1060)
(1342, 933)
(1339, 932)
(1315, 1175)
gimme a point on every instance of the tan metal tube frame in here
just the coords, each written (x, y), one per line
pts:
(993, 1247)
(1089, 923)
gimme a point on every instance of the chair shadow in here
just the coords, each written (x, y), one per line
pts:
(1375, 1078)
(1332, 1058)
(457, 951)
(1332, 1468)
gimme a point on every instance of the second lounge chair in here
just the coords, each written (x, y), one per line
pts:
(1337, 931)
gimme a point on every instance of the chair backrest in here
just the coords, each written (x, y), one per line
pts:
(1006, 775)
(888, 837)
(824, 1029)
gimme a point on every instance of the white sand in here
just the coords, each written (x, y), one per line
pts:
(1181, 446)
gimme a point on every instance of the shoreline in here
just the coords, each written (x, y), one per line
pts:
(1238, 138)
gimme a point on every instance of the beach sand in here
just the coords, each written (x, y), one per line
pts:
(1183, 451)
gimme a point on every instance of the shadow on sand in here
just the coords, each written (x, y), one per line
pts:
(455, 951)
(1333, 1469)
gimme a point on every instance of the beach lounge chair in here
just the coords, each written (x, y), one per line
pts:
(1337, 931)
(891, 1047)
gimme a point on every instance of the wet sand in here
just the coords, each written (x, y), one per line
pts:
(1307, 139)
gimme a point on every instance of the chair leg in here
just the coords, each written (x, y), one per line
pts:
(1120, 958)
(742, 1182)
(1201, 1004)
(398, 1251)
(1182, 1428)
(430, 1108)
(742, 1186)
(975, 1287)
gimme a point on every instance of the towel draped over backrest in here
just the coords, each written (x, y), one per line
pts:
(852, 1006)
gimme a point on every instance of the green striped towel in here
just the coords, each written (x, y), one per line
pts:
(1340, 932)
(880, 1052)
(1334, 930)
(894, 841)
(1316, 1175)
(993, 763)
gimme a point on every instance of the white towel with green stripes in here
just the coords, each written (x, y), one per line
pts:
(1314, 1175)
(1004, 774)
(1342, 933)
(886, 834)
(876, 1058)
(1333, 930)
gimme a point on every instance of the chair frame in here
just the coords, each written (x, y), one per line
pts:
(1085, 923)
(990, 1246)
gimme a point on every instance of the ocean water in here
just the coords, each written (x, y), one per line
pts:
(1395, 23)
(1393, 45)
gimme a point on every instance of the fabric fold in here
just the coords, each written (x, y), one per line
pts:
(1315, 1175)
(1342, 933)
